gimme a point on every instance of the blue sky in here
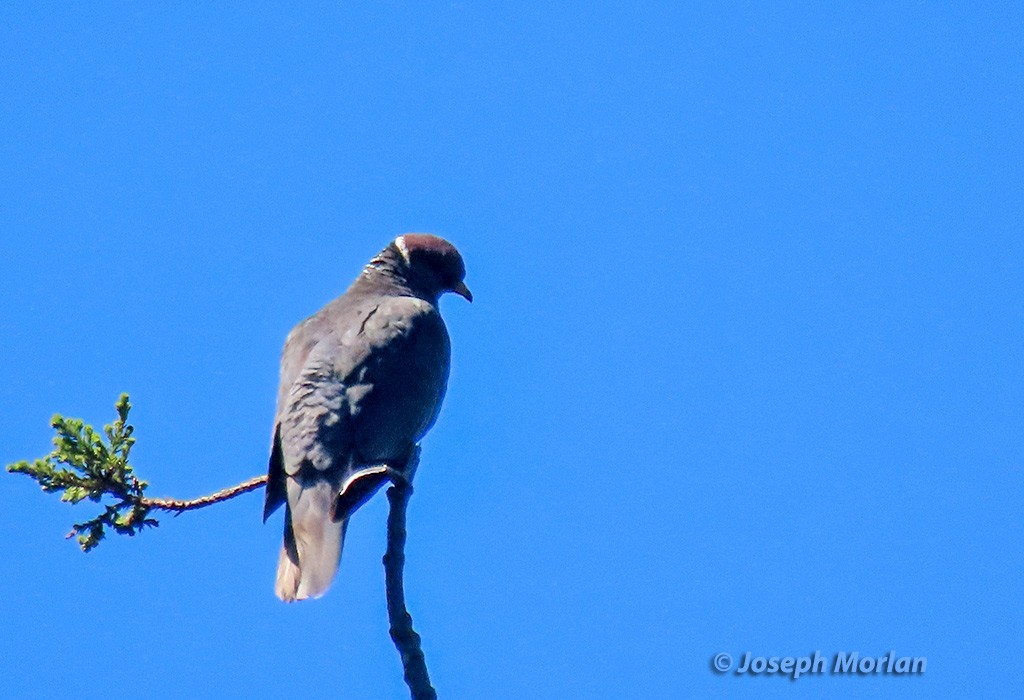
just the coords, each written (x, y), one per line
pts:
(743, 372)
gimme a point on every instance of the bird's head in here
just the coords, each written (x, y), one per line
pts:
(431, 264)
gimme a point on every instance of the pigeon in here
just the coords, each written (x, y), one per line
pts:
(361, 383)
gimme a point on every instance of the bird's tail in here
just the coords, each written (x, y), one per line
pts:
(312, 544)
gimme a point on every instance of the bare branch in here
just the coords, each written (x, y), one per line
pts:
(179, 506)
(402, 634)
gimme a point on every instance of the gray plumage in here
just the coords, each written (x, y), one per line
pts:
(361, 382)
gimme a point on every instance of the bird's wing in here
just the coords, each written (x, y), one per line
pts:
(326, 371)
(297, 346)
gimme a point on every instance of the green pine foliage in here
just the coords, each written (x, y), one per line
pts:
(86, 464)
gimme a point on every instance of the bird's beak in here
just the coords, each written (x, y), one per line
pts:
(463, 291)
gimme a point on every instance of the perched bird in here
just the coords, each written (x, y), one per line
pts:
(361, 382)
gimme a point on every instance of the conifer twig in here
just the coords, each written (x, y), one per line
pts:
(89, 464)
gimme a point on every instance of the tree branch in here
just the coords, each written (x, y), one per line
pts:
(178, 506)
(402, 634)
(83, 466)
(90, 464)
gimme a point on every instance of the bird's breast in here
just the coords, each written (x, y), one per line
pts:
(398, 399)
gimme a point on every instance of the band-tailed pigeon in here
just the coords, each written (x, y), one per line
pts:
(361, 382)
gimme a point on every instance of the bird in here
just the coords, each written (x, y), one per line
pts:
(362, 381)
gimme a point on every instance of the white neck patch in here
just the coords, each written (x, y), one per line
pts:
(403, 249)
